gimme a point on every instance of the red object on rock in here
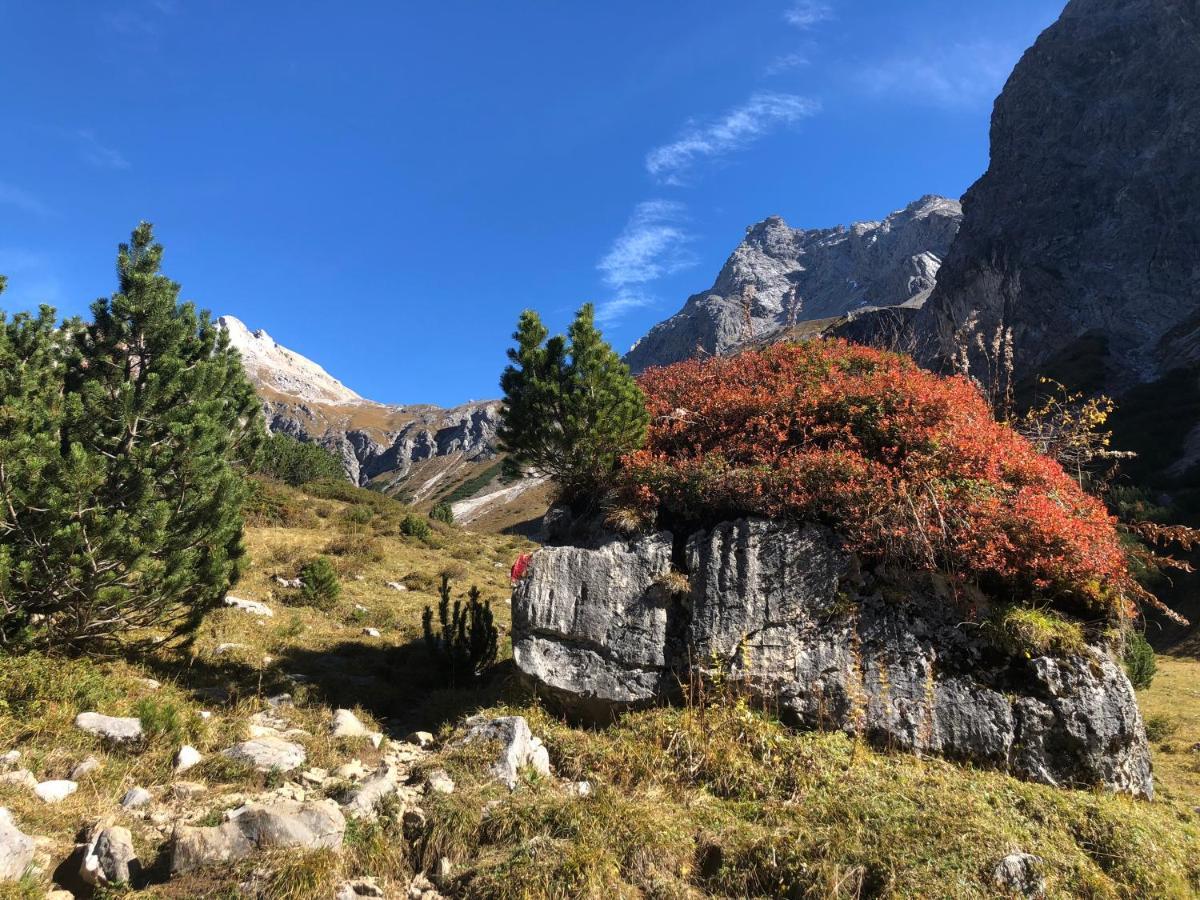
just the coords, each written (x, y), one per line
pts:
(518, 568)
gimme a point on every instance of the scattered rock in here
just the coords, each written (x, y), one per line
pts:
(360, 577)
(280, 701)
(11, 758)
(135, 797)
(365, 801)
(16, 848)
(55, 791)
(149, 684)
(267, 753)
(222, 649)
(314, 776)
(293, 583)
(439, 781)
(1020, 873)
(345, 724)
(249, 606)
(358, 887)
(111, 728)
(187, 757)
(110, 858)
(519, 748)
(421, 888)
(186, 790)
(91, 764)
(19, 777)
(580, 789)
(420, 738)
(351, 771)
(358, 607)
(397, 586)
(371, 632)
(257, 826)
(204, 715)
(414, 823)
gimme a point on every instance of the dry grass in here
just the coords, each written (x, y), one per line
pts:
(1171, 706)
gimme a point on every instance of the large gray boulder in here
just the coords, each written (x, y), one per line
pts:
(109, 857)
(783, 609)
(16, 848)
(254, 827)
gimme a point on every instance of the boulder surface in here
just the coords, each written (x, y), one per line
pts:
(782, 609)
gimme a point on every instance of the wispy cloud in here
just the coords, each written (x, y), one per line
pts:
(18, 198)
(140, 19)
(786, 63)
(653, 243)
(758, 116)
(807, 13)
(94, 153)
(960, 76)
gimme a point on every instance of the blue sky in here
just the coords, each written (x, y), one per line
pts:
(384, 185)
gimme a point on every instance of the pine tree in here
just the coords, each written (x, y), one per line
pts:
(31, 555)
(320, 583)
(465, 643)
(571, 408)
(139, 525)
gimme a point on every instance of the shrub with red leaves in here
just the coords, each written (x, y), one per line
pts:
(908, 467)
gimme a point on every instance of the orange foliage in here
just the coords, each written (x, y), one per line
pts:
(906, 466)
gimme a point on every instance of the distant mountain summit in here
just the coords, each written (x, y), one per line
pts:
(273, 366)
(779, 276)
(420, 453)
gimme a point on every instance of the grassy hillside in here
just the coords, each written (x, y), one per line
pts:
(714, 799)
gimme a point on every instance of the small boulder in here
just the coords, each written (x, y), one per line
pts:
(371, 632)
(19, 777)
(91, 764)
(357, 888)
(186, 790)
(292, 583)
(420, 738)
(519, 748)
(421, 888)
(11, 758)
(351, 771)
(1020, 873)
(135, 797)
(150, 684)
(364, 802)
(55, 791)
(16, 848)
(439, 781)
(267, 753)
(110, 858)
(187, 757)
(253, 607)
(115, 729)
(257, 826)
(345, 724)
(227, 647)
(397, 586)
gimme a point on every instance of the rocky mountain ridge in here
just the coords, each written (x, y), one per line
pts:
(781, 276)
(418, 452)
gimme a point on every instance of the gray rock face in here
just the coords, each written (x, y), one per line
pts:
(110, 857)
(518, 747)
(783, 609)
(1087, 221)
(834, 271)
(1020, 874)
(268, 752)
(258, 827)
(16, 848)
(117, 729)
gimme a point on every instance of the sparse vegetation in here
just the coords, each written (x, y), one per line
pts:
(297, 462)
(442, 513)
(415, 527)
(1140, 660)
(463, 642)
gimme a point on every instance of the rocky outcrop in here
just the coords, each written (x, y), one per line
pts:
(256, 827)
(800, 274)
(16, 848)
(783, 609)
(1086, 226)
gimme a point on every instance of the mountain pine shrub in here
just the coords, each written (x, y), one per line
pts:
(1140, 662)
(320, 586)
(415, 527)
(121, 441)
(571, 408)
(442, 513)
(297, 462)
(464, 643)
(908, 467)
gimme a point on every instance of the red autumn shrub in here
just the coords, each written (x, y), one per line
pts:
(907, 466)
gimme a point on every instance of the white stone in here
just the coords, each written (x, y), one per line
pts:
(580, 789)
(371, 632)
(345, 724)
(187, 757)
(397, 586)
(91, 764)
(267, 753)
(520, 749)
(112, 728)
(227, 647)
(135, 797)
(19, 777)
(55, 791)
(440, 782)
(16, 848)
(249, 606)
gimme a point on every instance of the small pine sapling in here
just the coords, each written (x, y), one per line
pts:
(320, 586)
(464, 645)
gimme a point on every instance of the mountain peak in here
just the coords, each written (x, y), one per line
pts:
(274, 367)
